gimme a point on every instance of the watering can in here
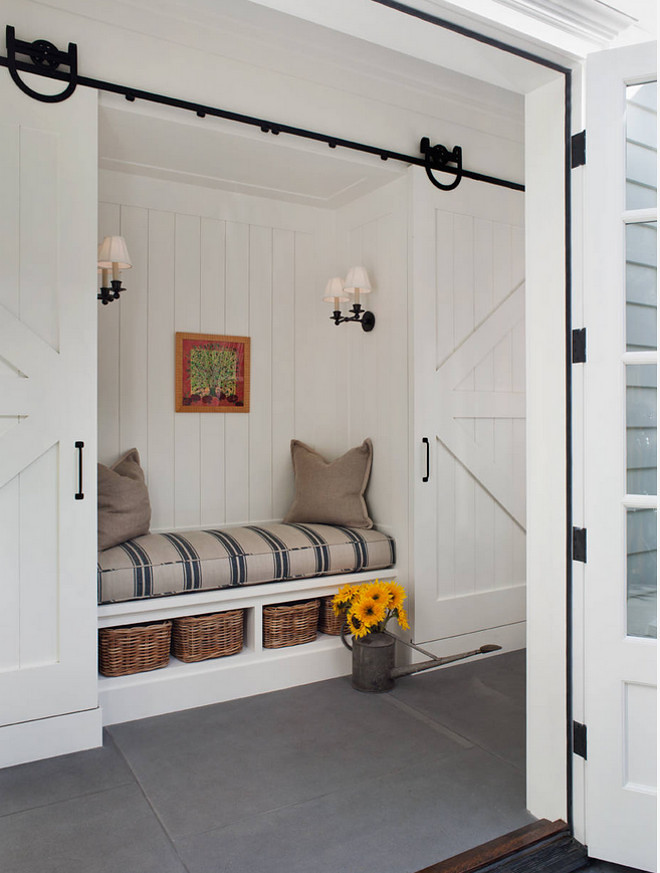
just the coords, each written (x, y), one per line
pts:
(373, 660)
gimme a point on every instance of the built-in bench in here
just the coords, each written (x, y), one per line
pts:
(167, 575)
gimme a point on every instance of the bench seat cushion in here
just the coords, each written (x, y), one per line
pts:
(173, 563)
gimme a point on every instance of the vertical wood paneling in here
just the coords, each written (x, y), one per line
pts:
(39, 579)
(187, 276)
(133, 419)
(484, 505)
(10, 562)
(108, 352)
(39, 189)
(483, 269)
(212, 426)
(261, 400)
(9, 217)
(237, 426)
(283, 373)
(160, 368)
(502, 267)
(443, 474)
(463, 297)
(209, 275)
(317, 345)
(444, 284)
(464, 245)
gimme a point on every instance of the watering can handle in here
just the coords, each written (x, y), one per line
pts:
(343, 637)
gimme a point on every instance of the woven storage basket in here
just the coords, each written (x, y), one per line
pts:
(134, 649)
(198, 637)
(329, 623)
(290, 624)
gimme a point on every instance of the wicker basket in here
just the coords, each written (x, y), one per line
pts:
(329, 623)
(134, 649)
(290, 624)
(198, 637)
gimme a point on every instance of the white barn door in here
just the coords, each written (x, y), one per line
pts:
(469, 403)
(48, 158)
(620, 456)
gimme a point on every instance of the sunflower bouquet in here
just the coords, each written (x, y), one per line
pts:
(369, 607)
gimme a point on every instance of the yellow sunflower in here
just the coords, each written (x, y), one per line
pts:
(376, 591)
(397, 594)
(402, 617)
(343, 598)
(369, 612)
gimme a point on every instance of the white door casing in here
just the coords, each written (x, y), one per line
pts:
(468, 350)
(48, 157)
(620, 668)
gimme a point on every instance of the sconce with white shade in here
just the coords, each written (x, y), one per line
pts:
(338, 290)
(113, 256)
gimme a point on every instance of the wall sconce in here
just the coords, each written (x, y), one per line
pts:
(356, 283)
(113, 255)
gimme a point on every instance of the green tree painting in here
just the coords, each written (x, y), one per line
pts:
(213, 370)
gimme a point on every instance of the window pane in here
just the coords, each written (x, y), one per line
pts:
(642, 569)
(641, 428)
(642, 146)
(641, 286)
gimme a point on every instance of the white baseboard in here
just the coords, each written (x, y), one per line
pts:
(48, 737)
(183, 686)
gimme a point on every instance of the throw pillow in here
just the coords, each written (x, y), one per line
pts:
(124, 510)
(331, 492)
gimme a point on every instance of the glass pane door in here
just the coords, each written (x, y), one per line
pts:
(640, 359)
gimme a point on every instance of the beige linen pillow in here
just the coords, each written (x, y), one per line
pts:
(331, 492)
(124, 510)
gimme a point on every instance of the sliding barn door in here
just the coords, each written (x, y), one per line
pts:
(48, 159)
(469, 411)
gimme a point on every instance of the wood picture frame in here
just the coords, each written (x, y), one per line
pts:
(212, 373)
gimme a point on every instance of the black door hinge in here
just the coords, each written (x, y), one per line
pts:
(579, 149)
(579, 355)
(580, 739)
(580, 544)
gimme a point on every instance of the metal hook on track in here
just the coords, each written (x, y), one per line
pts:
(45, 54)
(437, 157)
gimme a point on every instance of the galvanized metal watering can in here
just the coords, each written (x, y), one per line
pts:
(373, 660)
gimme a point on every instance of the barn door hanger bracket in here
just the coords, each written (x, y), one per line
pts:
(42, 54)
(438, 157)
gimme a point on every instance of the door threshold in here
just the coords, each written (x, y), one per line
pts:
(542, 845)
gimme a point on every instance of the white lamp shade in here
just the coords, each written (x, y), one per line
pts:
(357, 280)
(113, 251)
(334, 290)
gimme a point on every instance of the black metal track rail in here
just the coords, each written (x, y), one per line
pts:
(265, 125)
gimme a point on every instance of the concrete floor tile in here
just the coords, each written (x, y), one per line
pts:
(55, 779)
(114, 831)
(483, 701)
(206, 768)
(390, 824)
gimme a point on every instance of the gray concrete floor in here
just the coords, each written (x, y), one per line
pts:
(315, 779)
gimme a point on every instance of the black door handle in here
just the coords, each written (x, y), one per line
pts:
(80, 446)
(428, 459)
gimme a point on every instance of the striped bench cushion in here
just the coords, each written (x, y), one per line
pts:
(173, 563)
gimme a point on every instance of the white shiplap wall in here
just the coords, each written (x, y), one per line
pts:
(209, 261)
(373, 231)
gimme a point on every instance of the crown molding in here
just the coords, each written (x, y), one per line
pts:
(588, 19)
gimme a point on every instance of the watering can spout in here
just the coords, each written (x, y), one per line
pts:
(410, 669)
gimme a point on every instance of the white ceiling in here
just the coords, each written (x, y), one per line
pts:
(167, 144)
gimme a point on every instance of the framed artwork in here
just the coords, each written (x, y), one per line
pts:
(212, 373)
